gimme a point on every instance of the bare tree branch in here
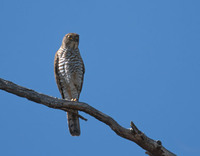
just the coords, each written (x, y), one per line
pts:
(152, 147)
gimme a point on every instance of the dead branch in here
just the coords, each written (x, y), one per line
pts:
(152, 147)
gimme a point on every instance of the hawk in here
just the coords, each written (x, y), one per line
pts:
(69, 72)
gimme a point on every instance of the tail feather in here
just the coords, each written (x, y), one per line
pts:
(73, 123)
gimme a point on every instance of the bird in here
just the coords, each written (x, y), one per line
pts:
(69, 72)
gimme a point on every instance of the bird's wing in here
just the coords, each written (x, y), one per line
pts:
(57, 75)
(82, 77)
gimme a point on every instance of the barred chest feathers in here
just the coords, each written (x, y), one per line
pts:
(70, 62)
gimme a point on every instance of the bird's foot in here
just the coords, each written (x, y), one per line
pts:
(74, 99)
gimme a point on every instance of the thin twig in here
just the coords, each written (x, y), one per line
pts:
(81, 117)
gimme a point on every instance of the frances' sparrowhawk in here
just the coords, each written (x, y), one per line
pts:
(69, 71)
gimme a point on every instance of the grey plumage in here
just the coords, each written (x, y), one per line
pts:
(69, 72)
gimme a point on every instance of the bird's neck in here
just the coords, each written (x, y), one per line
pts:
(72, 45)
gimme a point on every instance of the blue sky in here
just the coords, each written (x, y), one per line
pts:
(142, 62)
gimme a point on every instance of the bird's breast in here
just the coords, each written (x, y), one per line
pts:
(70, 62)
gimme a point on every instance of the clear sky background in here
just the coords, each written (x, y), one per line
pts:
(142, 62)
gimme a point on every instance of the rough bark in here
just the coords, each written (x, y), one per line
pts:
(152, 147)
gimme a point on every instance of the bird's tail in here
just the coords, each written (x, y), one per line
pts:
(73, 122)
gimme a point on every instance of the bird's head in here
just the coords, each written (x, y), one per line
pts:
(70, 40)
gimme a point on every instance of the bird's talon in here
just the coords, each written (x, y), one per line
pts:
(75, 99)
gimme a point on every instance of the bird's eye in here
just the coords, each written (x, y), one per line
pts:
(69, 36)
